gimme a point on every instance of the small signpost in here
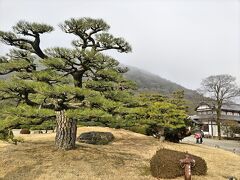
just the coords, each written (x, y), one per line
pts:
(187, 164)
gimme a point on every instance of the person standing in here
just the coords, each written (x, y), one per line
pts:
(202, 136)
(197, 135)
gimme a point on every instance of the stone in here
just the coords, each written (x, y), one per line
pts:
(37, 132)
(97, 138)
(25, 131)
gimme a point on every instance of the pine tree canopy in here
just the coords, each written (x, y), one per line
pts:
(93, 34)
(82, 81)
(31, 29)
(24, 115)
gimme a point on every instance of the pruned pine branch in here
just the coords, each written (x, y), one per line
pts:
(92, 34)
(32, 30)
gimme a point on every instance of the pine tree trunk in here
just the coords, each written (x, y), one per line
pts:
(78, 78)
(66, 131)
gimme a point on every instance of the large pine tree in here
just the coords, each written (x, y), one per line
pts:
(67, 85)
(154, 114)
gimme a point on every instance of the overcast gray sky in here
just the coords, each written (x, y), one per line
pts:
(180, 40)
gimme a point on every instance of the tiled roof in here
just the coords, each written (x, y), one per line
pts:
(231, 107)
(234, 107)
(213, 116)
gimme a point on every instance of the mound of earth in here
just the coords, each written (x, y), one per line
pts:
(165, 164)
(94, 137)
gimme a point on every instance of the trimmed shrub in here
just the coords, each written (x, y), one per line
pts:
(172, 135)
(4, 134)
(138, 129)
(15, 140)
(25, 131)
(165, 164)
(175, 135)
(97, 138)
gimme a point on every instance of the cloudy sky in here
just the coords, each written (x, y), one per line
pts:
(180, 40)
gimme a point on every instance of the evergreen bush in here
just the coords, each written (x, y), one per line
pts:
(4, 134)
(165, 164)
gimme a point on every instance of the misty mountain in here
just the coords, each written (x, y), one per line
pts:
(148, 82)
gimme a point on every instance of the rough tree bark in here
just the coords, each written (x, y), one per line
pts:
(36, 46)
(78, 78)
(66, 131)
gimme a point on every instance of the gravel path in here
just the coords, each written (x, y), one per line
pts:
(229, 145)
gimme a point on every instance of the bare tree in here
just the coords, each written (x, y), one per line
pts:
(222, 89)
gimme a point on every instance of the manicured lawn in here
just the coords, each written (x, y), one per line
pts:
(126, 158)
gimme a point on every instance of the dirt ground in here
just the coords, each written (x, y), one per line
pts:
(127, 158)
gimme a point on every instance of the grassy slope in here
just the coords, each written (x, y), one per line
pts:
(126, 158)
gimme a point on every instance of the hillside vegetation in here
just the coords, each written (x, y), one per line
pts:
(128, 157)
(149, 82)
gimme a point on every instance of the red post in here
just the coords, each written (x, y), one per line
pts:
(187, 164)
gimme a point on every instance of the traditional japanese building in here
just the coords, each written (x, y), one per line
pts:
(205, 117)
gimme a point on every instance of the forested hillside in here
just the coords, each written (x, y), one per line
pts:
(149, 82)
